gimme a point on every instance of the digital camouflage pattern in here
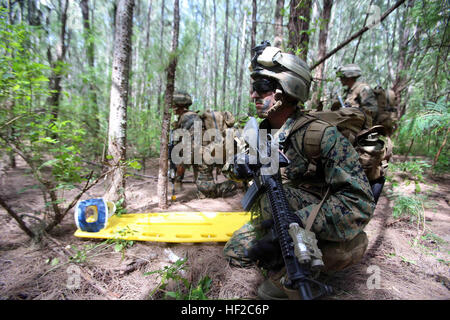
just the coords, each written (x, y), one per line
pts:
(345, 212)
(362, 96)
(203, 173)
(181, 99)
(349, 71)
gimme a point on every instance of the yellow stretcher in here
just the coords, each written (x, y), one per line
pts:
(171, 226)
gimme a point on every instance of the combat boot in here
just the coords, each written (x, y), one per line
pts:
(271, 288)
(338, 256)
(226, 188)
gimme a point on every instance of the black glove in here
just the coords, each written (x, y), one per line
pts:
(267, 253)
(242, 168)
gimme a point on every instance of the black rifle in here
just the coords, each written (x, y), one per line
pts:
(343, 105)
(298, 271)
(172, 173)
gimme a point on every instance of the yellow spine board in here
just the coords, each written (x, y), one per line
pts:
(171, 226)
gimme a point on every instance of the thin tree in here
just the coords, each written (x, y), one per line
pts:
(168, 99)
(254, 25)
(253, 34)
(298, 27)
(89, 47)
(119, 100)
(161, 45)
(57, 64)
(278, 41)
(323, 36)
(226, 55)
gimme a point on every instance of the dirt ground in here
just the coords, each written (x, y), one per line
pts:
(63, 266)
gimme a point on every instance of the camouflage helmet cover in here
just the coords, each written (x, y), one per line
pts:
(349, 71)
(181, 99)
(292, 73)
(391, 98)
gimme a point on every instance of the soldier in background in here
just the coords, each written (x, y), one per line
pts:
(357, 93)
(203, 173)
(387, 109)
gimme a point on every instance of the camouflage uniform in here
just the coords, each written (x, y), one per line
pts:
(360, 95)
(203, 173)
(345, 212)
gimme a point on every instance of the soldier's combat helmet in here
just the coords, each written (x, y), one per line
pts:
(181, 99)
(349, 71)
(291, 72)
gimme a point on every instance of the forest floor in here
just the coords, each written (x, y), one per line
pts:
(405, 260)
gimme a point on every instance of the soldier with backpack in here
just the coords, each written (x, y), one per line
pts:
(387, 109)
(357, 93)
(330, 184)
(203, 172)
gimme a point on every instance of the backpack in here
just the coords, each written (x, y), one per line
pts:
(387, 111)
(221, 121)
(353, 124)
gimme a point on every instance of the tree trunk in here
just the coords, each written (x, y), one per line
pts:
(254, 25)
(197, 55)
(323, 36)
(299, 17)
(93, 113)
(216, 60)
(119, 101)
(161, 42)
(278, 41)
(226, 55)
(33, 14)
(146, 93)
(403, 50)
(244, 44)
(168, 98)
(253, 35)
(436, 157)
(16, 217)
(57, 65)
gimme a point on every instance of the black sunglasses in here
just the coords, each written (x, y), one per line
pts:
(264, 85)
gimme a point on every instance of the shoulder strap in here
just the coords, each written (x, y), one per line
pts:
(311, 146)
(312, 216)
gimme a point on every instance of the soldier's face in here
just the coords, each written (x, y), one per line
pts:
(263, 101)
(263, 95)
(179, 110)
(347, 82)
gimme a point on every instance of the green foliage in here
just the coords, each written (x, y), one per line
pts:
(427, 124)
(51, 148)
(121, 244)
(185, 290)
(404, 205)
(416, 169)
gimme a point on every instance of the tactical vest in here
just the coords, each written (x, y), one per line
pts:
(387, 111)
(220, 121)
(353, 124)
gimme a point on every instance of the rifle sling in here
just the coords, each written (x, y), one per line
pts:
(214, 118)
(312, 216)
